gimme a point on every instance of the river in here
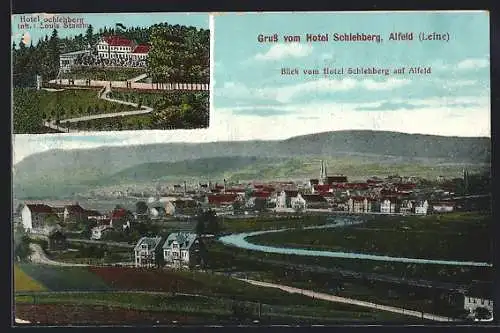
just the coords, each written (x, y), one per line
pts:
(240, 241)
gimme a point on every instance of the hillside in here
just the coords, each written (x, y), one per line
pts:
(44, 172)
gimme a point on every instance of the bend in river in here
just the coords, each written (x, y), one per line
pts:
(240, 240)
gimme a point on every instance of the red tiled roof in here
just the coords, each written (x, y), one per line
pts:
(261, 194)
(313, 198)
(222, 198)
(235, 190)
(291, 193)
(40, 208)
(119, 213)
(142, 48)
(75, 209)
(402, 187)
(117, 41)
(322, 188)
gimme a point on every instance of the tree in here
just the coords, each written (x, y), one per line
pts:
(27, 118)
(89, 35)
(52, 220)
(141, 207)
(200, 227)
(22, 249)
(211, 221)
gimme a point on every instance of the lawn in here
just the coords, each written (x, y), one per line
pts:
(431, 237)
(72, 103)
(104, 74)
(271, 222)
(137, 122)
(23, 282)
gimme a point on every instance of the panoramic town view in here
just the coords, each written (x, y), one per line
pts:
(125, 75)
(308, 200)
(188, 248)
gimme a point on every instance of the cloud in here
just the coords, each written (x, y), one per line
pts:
(285, 94)
(473, 63)
(326, 56)
(282, 51)
(386, 106)
(404, 106)
(323, 85)
(260, 112)
(466, 64)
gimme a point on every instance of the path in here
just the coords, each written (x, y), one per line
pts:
(20, 321)
(38, 256)
(139, 78)
(103, 94)
(129, 84)
(337, 299)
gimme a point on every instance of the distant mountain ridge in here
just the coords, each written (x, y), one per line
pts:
(74, 167)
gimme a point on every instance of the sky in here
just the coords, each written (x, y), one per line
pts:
(251, 99)
(97, 20)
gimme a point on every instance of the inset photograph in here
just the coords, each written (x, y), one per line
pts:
(110, 72)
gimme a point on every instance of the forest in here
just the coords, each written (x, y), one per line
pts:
(178, 53)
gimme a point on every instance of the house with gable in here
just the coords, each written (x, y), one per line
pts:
(421, 207)
(285, 198)
(38, 218)
(110, 47)
(358, 204)
(181, 207)
(74, 213)
(183, 250)
(147, 252)
(121, 218)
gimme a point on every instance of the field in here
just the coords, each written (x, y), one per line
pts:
(382, 283)
(23, 282)
(56, 278)
(159, 294)
(431, 237)
(108, 74)
(270, 222)
(119, 309)
(72, 103)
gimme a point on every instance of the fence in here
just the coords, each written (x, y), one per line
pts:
(128, 85)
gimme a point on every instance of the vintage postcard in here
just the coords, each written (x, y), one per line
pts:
(110, 72)
(344, 177)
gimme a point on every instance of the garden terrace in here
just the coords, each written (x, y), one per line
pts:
(103, 74)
